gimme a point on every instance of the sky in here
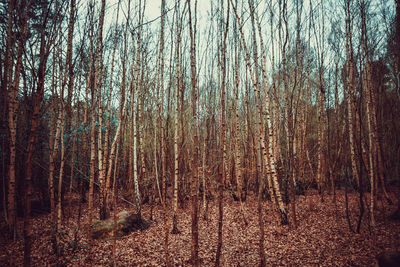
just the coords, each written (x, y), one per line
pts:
(333, 10)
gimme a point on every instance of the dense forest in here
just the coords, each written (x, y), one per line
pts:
(185, 132)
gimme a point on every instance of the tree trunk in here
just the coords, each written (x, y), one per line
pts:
(107, 156)
(162, 145)
(236, 128)
(367, 83)
(222, 168)
(114, 199)
(92, 161)
(44, 52)
(44, 49)
(98, 89)
(71, 178)
(289, 116)
(12, 97)
(194, 183)
(60, 182)
(175, 229)
(135, 170)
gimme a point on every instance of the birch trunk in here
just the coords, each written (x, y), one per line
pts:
(90, 85)
(367, 86)
(92, 161)
(12, 97)
(71, 179)
(98, 83)
(377, 141)
(162, 131)
(135, 170)
(44, 53)
(107, 156)
(96, 93)
(175, 229)
(224, 30)
(194, 183)
(60, 182)
(136, 109)
(237, 159)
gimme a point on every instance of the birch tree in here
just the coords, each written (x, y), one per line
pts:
(178, 84)
(367, 86)
(46, 41)
(224, 26)
(12, 88)
(194, 182)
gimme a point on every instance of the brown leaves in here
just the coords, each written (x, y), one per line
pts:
(322, 238)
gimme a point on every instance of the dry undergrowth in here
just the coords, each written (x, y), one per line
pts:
(322, 238)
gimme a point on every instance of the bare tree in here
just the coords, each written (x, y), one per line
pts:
(178, 84)
(12, 87)
(194, 182)
(224, 26)
(45, 44)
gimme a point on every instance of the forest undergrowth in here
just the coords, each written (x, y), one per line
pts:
(322, 238)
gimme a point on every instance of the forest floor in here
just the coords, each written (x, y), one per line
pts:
(322, 238)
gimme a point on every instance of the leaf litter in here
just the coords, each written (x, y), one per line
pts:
(321, 238)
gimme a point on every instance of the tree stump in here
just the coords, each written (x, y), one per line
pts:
(126, 223)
